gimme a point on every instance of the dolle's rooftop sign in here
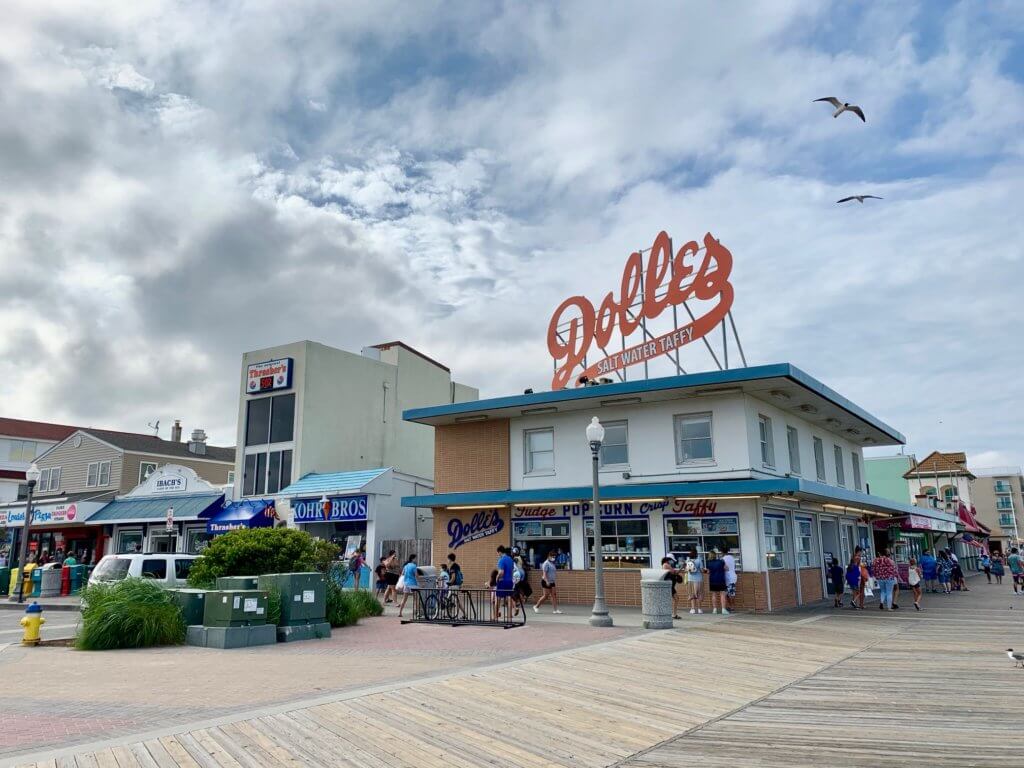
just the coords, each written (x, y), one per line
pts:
(681, 277)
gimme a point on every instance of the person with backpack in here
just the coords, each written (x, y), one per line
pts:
(355, 567)
(455, 571)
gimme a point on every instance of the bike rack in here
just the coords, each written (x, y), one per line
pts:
(456, 607)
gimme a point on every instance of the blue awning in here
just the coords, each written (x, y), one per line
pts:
(151, 509)
(251, 513)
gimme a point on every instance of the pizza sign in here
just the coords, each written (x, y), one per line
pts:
(268, 376)
(666, 281)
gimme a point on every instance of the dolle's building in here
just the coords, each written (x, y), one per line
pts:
(766, 460)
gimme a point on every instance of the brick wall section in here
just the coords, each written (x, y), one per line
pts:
(476, 558)
(622, 587)
(783, 589)
(471, 457)
(810, 585)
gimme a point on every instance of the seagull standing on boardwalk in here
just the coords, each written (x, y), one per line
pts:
(843, 107)
(859, 198)
(1018, 658)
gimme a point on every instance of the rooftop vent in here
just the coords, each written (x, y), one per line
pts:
(197, 442)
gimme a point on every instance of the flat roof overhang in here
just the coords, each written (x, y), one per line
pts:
(794, 488)
(783, 385)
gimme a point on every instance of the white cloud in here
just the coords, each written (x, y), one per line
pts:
(447, 172)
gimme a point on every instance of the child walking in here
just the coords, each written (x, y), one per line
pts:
(835, 575)
(914, 576)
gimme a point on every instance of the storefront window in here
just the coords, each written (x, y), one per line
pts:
(196, 540)
(161, 542)
(129, 542)
(624, 543)
(804, 542)
(775, 541)
(536, 538)
(705, 534)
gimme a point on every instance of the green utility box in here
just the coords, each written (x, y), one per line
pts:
(303, 596)
(192, 603)
(235, 608)
(5, 580)
(237, 582)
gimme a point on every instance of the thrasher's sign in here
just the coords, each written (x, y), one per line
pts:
(682, 278)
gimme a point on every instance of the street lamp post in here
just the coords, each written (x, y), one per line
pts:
(32, 475)
(599, 615)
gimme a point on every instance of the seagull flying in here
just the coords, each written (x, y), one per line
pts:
(843, 107)
(859, 198)
(1018, 658)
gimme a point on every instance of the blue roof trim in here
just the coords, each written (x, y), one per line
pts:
(698, 489)
(186, 507)
(605, 391)
(332, 482)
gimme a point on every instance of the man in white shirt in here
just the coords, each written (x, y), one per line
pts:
(730, 576)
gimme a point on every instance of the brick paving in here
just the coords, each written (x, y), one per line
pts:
(62, 697)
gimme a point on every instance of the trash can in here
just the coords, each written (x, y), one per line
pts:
(655, 599)
(79, 575)
(49, 582)
(5, 580)
(427, 577)
(30, 579)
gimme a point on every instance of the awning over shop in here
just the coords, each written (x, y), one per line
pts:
(318, 484)
(151, 509)
(251, 513)
(916, 523)
(967, 519)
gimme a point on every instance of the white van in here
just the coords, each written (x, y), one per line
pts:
(168, 570)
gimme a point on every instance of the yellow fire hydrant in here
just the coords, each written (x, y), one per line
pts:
(32, 621)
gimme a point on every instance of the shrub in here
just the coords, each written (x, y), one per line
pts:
(347, 608)
(134, 613)
(254, 551)
(324, 555)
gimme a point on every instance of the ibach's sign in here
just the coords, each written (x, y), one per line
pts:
(683, 280)
(268, 376)
(483, 524)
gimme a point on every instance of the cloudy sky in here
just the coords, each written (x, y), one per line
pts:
(184, 180)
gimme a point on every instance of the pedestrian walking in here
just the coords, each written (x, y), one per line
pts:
(998, 569)
(548, 577)
(391, 576)
(380, 585)
(853, 580)
(695, 580)
(410, 572)
(835, 576)
(957, 577)
(885, 575)
(455, 570)
(1016, 566)
(944, 569)
(355, 568)
(986, 566)
(914, 580)
(522, 591)
(929, 571)
(505, 584)
(731, 577)
(716, 583)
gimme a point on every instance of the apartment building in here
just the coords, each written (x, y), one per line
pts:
(998, 494)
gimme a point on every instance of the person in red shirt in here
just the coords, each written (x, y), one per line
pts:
(885, 574)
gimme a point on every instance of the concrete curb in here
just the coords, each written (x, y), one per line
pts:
(5, 605)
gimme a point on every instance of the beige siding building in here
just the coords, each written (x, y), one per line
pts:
(998, 494)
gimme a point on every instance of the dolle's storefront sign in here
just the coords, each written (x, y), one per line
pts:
(587, 326)
(484, 523)
(337, 509)
(268, 376)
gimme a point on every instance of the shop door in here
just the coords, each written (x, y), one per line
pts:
(830, 542)
(846, 542)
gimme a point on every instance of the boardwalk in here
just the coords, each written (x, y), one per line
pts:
(831, 688)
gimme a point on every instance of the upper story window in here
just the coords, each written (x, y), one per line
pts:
(693, 438)
(21, 451)
(49, 479)
(98, 474)
(270, 420)
(819, 459)
(840, 473)
(793, 442)
(949, 493)
(615, 448)
(146, 468)
(539, 446)
(856, 470)
(265, 472)
(767, 443)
